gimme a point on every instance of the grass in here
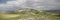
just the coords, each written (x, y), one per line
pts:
(28, 15)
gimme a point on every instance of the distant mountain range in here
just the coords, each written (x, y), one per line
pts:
(52, 10)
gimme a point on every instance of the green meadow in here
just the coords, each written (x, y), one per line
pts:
(28, 15)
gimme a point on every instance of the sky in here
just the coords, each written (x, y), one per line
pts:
(34, 4)
(10, 5)
(3, 1)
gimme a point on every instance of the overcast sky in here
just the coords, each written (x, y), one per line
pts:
(35, 4)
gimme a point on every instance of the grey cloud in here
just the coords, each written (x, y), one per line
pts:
(10, 6)
(6, 7)
(47, 5)
(39, 5)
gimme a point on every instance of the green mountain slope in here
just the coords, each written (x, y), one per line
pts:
(27, 14)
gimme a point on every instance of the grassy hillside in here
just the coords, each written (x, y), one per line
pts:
(28, 15)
